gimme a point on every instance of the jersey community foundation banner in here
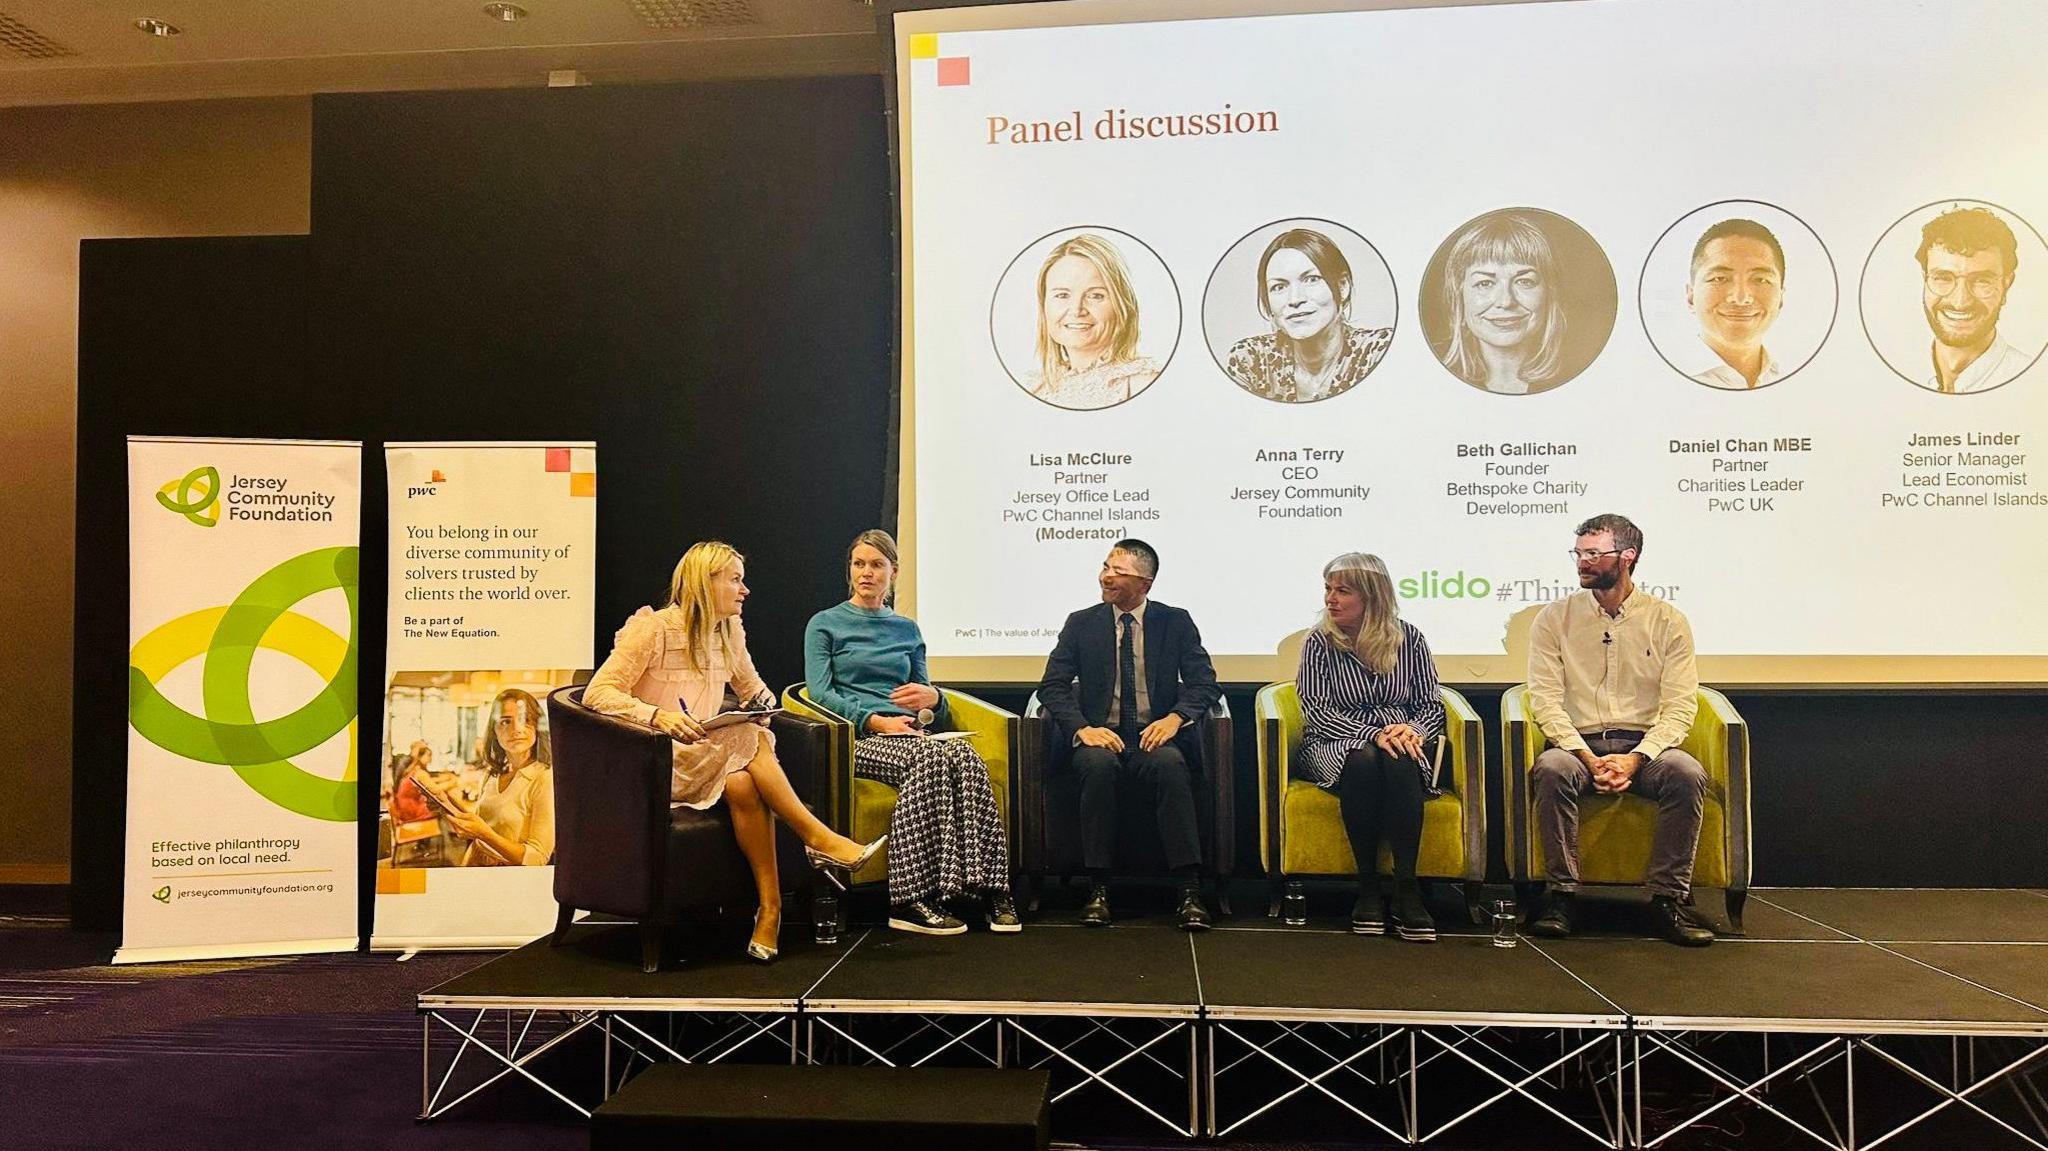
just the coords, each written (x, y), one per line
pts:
(242, 791)
(492, 581)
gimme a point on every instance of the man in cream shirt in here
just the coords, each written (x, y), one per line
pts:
(1735, 290)
(1613, 685)
(1968, 260)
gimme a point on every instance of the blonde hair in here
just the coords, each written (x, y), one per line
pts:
(1511, 238)
(690, 589)
(1123, 341)
(1378, 643)
(882, 542)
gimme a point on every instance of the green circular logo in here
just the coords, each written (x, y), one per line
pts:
(228, 734)
(196, 497)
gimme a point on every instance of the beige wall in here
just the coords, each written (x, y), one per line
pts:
(221, 167)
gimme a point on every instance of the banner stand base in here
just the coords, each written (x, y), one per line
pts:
(453, 942)
(128, 955)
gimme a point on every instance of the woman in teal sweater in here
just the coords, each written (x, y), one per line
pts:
(866, 663)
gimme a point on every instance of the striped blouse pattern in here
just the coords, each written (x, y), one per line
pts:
(1344, 703)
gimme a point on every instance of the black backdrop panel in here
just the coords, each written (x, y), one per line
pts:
(696, 277)
(699, 278)
(201, 337)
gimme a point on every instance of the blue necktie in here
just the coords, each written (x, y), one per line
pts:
(1127, 683)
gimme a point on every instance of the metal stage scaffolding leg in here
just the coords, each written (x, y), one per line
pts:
(1083, 1046)
(1119, 1054)
(1878, 1074)
(905, 1040)
(1310, 1056)
(1531, 1083)
(2016, 1074)
(501, 1058)
(528, 1035)
(1689, 1050)
(720, 1037)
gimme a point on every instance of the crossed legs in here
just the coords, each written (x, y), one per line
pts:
(757, 795)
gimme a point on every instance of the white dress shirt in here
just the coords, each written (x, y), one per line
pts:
(1706, 366)
(1589, 671)
(1999, 364)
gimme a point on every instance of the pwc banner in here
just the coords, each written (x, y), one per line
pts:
(242, 790)
(492, 582)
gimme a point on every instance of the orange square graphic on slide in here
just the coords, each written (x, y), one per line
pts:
(582, 484)
(558, 459)
(952, 71)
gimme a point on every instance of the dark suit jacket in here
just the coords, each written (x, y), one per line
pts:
(1082, 667)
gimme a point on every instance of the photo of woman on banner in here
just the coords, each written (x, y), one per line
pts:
(493, 808)
(510, 821)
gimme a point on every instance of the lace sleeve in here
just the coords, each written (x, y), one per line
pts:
(637, 645)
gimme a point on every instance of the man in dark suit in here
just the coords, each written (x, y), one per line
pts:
(1128, 684)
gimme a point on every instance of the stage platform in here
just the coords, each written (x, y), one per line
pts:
(1851, 1015)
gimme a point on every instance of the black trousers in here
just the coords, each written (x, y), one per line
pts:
(1381, 796)
(1164, 773)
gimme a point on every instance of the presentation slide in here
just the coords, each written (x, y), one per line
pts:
(1440, 282)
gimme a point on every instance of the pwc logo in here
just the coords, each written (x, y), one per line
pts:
(196, 497)
(414, 491)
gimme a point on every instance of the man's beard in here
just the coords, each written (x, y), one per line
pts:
(1601, 579)
(1980, 331)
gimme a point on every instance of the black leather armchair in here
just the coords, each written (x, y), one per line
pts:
(621, 850)
(1049, 811)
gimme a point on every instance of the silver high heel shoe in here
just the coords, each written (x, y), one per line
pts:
(760, 953)
(836, 870)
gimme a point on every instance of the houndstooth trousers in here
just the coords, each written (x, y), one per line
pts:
(946, 835)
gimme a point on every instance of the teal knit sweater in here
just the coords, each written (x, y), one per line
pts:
(855, 656)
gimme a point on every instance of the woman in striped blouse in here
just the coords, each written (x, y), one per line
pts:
(1371, 715)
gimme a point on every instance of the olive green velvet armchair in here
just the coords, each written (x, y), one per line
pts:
(1301, 828)
(1614, 830)
(860, 808)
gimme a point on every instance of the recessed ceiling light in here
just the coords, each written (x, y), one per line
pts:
(505, 12)
(157, 27)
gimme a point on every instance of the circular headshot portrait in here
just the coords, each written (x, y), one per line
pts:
(1518, 301)
(1085, 318)
(1299, 311)
(1952, 296)
(1738, 295)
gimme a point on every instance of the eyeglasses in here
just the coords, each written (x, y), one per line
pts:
(1589, 555)
(1983, 285)
(1108, 570)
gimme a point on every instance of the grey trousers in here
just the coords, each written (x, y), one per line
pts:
(1674, 781)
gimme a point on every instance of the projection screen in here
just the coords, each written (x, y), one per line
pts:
(1261, 284)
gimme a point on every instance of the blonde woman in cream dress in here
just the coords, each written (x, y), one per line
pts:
(667, 669)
